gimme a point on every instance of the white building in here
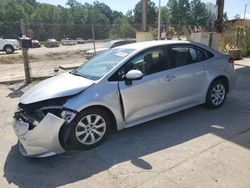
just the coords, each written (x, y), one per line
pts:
(212, 9)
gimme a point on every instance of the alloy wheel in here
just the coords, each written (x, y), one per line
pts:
(218, 94)
(90, 129)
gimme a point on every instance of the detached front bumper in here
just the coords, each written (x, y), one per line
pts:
(42, 140)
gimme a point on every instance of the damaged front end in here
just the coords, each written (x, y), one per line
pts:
(37, 126)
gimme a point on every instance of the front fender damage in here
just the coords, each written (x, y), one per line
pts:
(43, 139)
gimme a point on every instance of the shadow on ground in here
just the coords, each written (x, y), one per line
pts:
(16, 93)
(133, 143)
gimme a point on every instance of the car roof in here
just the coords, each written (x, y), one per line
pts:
(122, 40)
(144, 45)
(147, 44)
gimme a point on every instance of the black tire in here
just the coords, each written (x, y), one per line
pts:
(220, 96)
(9, 49)
(71, 141)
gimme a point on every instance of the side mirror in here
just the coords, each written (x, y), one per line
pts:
(133, 75)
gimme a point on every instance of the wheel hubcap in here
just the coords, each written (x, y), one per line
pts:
(8, 50)
(218, 94)
(90, 129)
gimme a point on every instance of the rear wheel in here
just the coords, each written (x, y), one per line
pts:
(216, 94)
(9, 49)
(89, 129)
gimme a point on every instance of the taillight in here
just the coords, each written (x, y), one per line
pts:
(231, 60)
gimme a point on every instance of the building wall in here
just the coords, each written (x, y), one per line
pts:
(238, 22)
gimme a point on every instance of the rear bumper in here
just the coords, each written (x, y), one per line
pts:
(42, 140)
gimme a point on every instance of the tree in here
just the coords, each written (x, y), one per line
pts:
(105, 10)
(120, 28)
(179, 12)
(116, 14)
(73, 3)
(199, 14)
(225, 17)
(151, 13)
(130, 17)
(237, 16)
(11, 13)
(164, 14)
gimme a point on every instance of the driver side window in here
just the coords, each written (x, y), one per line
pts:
(148, 62)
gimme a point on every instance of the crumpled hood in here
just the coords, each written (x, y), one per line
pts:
(58, 86)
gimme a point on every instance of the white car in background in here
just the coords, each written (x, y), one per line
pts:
(68, 42)
(9, 45)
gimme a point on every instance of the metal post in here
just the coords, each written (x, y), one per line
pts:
(25, 56)
(245, 15)
(159, 20)
(179, 30)
(93, 35)
(144, 15)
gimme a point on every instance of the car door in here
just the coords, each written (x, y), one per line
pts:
(150, 95)
(190, 74)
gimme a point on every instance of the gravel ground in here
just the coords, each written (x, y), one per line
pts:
(198, 147)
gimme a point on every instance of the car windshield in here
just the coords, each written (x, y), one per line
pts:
(102, 64)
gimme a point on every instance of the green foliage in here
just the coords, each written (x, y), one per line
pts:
(199, 14)
(183, 12)
(165, 14)
(121, 29)
(179, 11)
(75, 19)
(151, 13)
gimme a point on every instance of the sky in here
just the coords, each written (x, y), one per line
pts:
(232, 7)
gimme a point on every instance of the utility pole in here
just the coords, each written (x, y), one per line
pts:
(159, 20)
(219, 20)
(245, 15)
(93, 35)
(25, 55)
(144, 15)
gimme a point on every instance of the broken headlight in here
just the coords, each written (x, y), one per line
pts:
(65, 114)
(68, 116)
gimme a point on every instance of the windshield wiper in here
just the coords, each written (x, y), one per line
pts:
(76, 73)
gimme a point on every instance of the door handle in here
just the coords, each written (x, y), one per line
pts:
(169, 77)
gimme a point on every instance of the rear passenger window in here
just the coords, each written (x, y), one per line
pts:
(187, 54)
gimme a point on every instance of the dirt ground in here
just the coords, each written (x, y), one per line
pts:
(44, 53)
(43, 60)
(40, 54)
(198, 147)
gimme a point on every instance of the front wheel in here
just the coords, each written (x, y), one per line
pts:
(216, 94)
(89, 129)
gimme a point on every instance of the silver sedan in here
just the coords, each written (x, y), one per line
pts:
(123, 87)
